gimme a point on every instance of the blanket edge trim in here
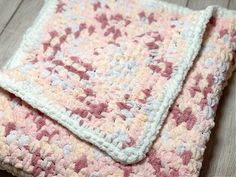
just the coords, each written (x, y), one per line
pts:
(129, 155)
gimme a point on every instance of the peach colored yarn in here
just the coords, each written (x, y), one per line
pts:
(110, 69)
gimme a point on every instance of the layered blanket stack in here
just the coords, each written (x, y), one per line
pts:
(114, 88)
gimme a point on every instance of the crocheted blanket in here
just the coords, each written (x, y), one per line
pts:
(98, 85)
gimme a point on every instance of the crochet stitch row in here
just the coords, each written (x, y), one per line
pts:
(47, 76)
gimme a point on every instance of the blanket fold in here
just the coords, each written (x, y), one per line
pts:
(132, 78)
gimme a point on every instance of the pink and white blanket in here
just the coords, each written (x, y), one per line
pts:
(114, 88)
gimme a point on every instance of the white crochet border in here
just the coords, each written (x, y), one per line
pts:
(129, 155)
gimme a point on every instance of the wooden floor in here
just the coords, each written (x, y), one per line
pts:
(220, 157)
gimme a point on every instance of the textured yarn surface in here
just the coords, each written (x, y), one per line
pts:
(124, 82)
(108, 72)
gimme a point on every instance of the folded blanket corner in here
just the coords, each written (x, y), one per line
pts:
(115, 91)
